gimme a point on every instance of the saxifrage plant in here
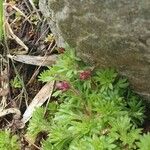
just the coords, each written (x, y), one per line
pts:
(95, 109)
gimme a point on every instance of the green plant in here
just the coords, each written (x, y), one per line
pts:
(1, 20)
(39, 122)
(144, 143)
(65, 68)
(36, 2)
(8, 141)
(16, 82)
(96, 111)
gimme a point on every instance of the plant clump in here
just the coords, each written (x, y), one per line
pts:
(95, 109)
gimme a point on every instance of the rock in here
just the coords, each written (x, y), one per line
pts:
(111, 33)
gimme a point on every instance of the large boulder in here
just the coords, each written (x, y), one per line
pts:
(111, 33)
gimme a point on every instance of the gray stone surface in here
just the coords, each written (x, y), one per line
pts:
(112, 33)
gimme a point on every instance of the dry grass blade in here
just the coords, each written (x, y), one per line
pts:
(4, 84)
(33, 6)
(38, 100)
(18, 10)
(35, 60)
(3, 92)
(15, 37)
(10, 111)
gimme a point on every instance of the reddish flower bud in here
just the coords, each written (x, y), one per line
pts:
(61, 50)
(63, 86)
(84, 75)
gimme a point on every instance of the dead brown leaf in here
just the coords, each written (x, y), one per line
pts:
(35, 60)
(39, 99)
